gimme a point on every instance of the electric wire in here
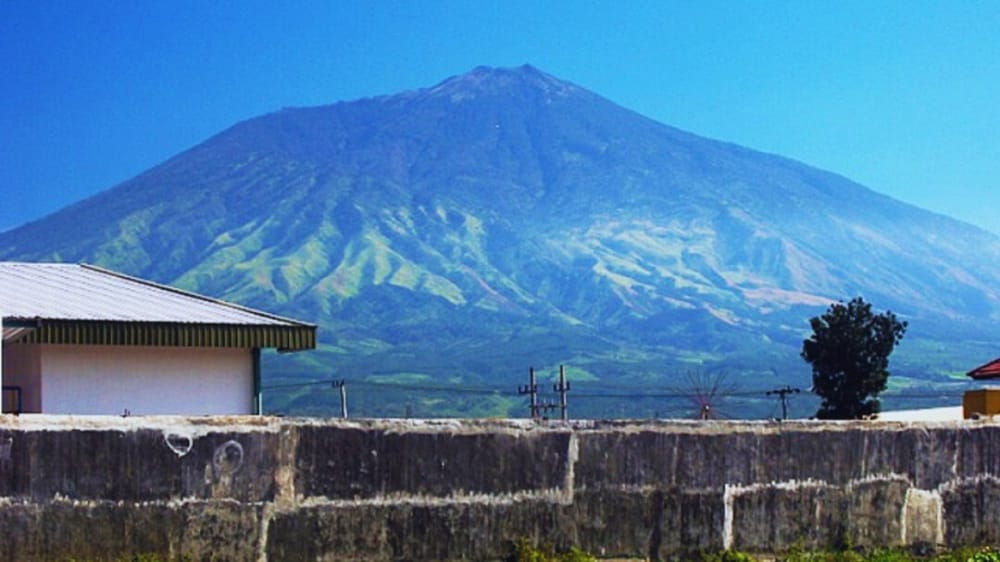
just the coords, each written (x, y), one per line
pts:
(629, 392)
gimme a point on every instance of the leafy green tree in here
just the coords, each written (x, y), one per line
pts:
(849, 353)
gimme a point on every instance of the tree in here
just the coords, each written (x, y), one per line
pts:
(849, 353)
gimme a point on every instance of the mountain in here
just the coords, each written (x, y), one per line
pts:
(458, 234)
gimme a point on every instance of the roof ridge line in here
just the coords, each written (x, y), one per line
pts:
(190, 294)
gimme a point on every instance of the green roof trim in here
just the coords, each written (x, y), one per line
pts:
(161, 334)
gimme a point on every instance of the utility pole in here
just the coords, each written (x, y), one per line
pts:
(531, 389)
(783, 396)
(342, 385)
(545, 407)
(562, 388)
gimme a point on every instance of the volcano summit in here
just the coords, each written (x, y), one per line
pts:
(504, 218)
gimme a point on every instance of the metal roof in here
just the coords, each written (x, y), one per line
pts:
(988, 371)
(80, 303)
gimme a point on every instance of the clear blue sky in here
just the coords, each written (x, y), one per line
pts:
(903, 97)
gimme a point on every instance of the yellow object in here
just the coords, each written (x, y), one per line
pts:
(983, 402)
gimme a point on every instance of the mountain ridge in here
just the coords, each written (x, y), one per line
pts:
(503, 207)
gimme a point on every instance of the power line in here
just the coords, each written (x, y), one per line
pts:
(783, 393)
(600, 398)
(394, 385)
(298, 384)
(581, 391)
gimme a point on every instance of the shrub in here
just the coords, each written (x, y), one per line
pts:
(985, 554)
(727, 556)
(524, 551)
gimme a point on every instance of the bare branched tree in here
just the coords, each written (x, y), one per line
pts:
(707, 392)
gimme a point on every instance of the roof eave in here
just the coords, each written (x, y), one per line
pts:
(986, 371)
(286, 338)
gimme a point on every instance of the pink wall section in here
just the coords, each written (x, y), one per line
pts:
(22, 367)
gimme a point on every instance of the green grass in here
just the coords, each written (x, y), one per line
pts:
(965, 554)
(525, 551)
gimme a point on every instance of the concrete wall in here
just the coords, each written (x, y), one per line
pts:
(90, 379)
(269, 489)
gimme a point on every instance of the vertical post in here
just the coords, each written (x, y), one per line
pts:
(342, 385)
(562, 388)
(783, 396)
(258, 394)
(343, 401)
(532, 390)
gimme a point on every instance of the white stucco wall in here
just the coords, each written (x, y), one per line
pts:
(82, 379)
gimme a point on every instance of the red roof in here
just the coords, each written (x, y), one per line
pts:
(990, 370)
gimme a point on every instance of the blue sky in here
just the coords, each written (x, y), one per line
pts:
(903, 97)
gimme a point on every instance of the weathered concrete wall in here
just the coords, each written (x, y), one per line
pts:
(270, 489)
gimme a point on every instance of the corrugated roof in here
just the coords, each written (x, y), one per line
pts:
(60, 291)
(79, 303)
(990, 370)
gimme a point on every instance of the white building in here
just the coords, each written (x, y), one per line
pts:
(78, 339)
